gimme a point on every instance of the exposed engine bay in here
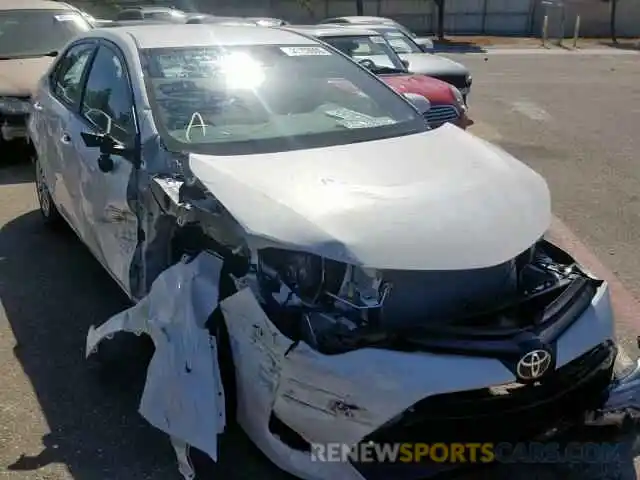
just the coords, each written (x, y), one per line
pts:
(335, 307)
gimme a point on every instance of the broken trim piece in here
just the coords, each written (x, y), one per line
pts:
(183, 394)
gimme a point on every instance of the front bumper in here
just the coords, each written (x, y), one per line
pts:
(622, 405)
(582, 393)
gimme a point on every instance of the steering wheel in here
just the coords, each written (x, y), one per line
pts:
(367, 63)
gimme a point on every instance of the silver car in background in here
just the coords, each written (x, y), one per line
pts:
(423, 62)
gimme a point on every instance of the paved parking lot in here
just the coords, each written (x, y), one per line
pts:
(574, 118)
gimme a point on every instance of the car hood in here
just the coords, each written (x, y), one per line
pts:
(20, 77)
(431, 64)
(438, 200)
(437, 91)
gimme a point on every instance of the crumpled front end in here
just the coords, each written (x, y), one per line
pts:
(622, 405)
(363, 385)
(346, 325)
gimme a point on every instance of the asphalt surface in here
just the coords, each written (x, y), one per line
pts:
(574, 118)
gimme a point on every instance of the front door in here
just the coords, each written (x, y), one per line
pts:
(108, 195)
(57, 99)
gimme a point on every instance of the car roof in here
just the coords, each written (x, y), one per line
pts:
(170, 35)
(129, 23)
(330, 31)
(153, 8)
(374, 26)
(266, 18)
(34, 5)
(363, 19)
(213, 20)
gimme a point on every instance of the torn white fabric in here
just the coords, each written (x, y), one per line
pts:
(183, 394)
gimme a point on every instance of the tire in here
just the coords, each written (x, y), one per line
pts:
(204, 466)
(48, 209)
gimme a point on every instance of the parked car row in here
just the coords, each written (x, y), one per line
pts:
(370, 49)
(386, 48)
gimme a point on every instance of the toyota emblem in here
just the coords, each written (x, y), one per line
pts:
(534, 365)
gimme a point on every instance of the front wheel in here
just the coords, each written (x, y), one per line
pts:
(48, 209)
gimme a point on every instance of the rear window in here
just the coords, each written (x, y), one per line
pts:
(33, 33)
(401, 43)
(373, 48)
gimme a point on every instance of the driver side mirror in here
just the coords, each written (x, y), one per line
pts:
(419, 102)
(108, 146)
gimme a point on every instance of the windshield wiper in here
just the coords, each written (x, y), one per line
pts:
(384, 70)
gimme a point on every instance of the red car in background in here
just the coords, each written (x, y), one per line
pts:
(371, 50)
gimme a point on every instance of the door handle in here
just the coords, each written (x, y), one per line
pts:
(37, 106)
(66, 138)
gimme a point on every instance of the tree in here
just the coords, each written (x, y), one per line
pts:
(612, 20)
(306, 4)
(440, 6)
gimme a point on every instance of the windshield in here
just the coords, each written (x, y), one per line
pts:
(372, 52)
(401, 43)
(269, 98)
(33, 33)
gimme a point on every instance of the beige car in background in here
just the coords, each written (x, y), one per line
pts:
(31, 34)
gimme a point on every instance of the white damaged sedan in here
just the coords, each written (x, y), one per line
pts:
(309, 258)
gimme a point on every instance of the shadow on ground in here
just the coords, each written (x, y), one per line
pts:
(457, 46)
(52, 290)
(15, 169)
(622, 45)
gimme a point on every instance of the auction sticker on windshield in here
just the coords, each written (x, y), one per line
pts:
(304, 51)
(352, 119)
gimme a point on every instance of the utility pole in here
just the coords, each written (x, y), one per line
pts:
(359, 7)
(440, 5)
(612, 20)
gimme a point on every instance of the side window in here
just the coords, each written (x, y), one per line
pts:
(107, 101)
(67, 76)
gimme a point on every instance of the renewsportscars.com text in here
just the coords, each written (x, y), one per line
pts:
(483, 453)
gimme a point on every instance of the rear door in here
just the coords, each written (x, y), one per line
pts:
(54, 104)
(107, 108)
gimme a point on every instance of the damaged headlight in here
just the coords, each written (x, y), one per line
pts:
(315, 279)
(302, 272)
(624, 365)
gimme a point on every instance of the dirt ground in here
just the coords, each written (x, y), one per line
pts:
(462, 41)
